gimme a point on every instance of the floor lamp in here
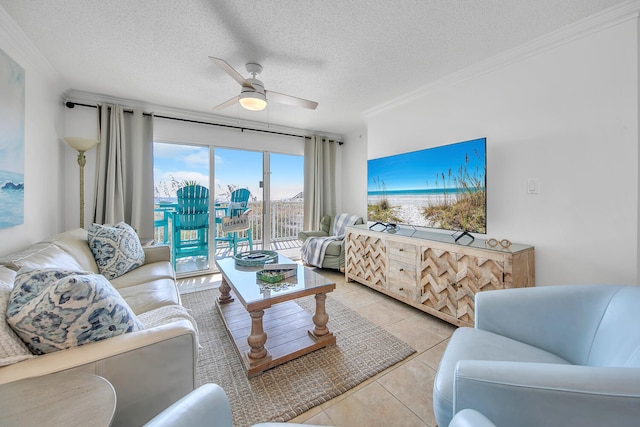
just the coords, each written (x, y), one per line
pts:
(81, 145)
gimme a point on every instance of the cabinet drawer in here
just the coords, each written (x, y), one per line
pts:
(402, 272)
(404, 291)
(401, 280)
(402, 252)
(407, 293)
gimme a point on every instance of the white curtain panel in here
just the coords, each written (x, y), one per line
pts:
(124, 181)
(319, 180)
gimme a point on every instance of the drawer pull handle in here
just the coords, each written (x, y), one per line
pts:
(401, 289)
(402, 269)
(401, 250)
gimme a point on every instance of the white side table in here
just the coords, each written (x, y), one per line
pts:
(63, 399)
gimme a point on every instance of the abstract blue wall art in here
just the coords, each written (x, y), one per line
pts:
(12, 108)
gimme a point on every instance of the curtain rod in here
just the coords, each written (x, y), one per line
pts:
(70, 104)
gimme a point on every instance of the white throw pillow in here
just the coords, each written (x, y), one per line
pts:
(12, 349)
(116, 249)
(42, 255)
(71, 311)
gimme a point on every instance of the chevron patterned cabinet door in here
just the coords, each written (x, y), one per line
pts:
(365, 259)
(437, 280)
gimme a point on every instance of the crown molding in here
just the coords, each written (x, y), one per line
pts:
(611, 17)
(178, 113)
(24, 52)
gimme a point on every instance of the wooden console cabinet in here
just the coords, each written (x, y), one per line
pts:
(431, 272)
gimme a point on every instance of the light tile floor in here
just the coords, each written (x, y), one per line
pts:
(399, 396)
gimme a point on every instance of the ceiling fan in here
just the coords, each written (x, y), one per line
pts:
(253, 96)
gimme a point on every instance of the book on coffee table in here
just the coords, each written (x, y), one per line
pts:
(274, 273)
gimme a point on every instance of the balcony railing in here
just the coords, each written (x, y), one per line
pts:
(286, 222)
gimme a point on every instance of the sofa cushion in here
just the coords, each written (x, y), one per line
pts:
(116, 249)
(74, 242)
(74, 310)
(144, 274)
(151, 295)
(12, 349)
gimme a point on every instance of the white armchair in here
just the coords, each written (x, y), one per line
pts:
(546, 356)
(206, 406)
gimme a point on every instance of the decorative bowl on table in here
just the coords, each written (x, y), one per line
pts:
(255, 258)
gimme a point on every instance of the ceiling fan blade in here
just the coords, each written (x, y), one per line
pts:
(228, 103)
(281, 98)
(224, 66)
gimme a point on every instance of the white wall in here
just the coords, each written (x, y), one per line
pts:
(354, 173)
(44, 146)
(566, 115)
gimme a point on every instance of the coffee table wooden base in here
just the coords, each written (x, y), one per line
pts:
(290, 329)
(225, 293)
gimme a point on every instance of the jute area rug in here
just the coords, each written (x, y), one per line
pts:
(363, 349)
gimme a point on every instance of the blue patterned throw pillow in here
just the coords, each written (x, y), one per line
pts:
(69, 312)
(29, 283)
(116, 249)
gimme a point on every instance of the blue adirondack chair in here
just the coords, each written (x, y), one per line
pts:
(238, 205)
(190, 223)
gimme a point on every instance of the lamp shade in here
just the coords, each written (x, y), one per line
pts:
(81, 144)
(254, 101)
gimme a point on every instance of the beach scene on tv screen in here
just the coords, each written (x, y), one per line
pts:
(441, 187)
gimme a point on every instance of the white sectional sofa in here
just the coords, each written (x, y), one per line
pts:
(150, 368)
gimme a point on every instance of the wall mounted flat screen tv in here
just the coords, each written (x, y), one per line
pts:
(441, 187)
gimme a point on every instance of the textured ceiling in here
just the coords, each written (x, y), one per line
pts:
(348, 55)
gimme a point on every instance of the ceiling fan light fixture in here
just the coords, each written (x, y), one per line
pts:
(253, 101)
(253, 96)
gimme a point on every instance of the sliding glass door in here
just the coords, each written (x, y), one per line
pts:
(286, 200)
(275, 182)
(274, 211)
(234, 170)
